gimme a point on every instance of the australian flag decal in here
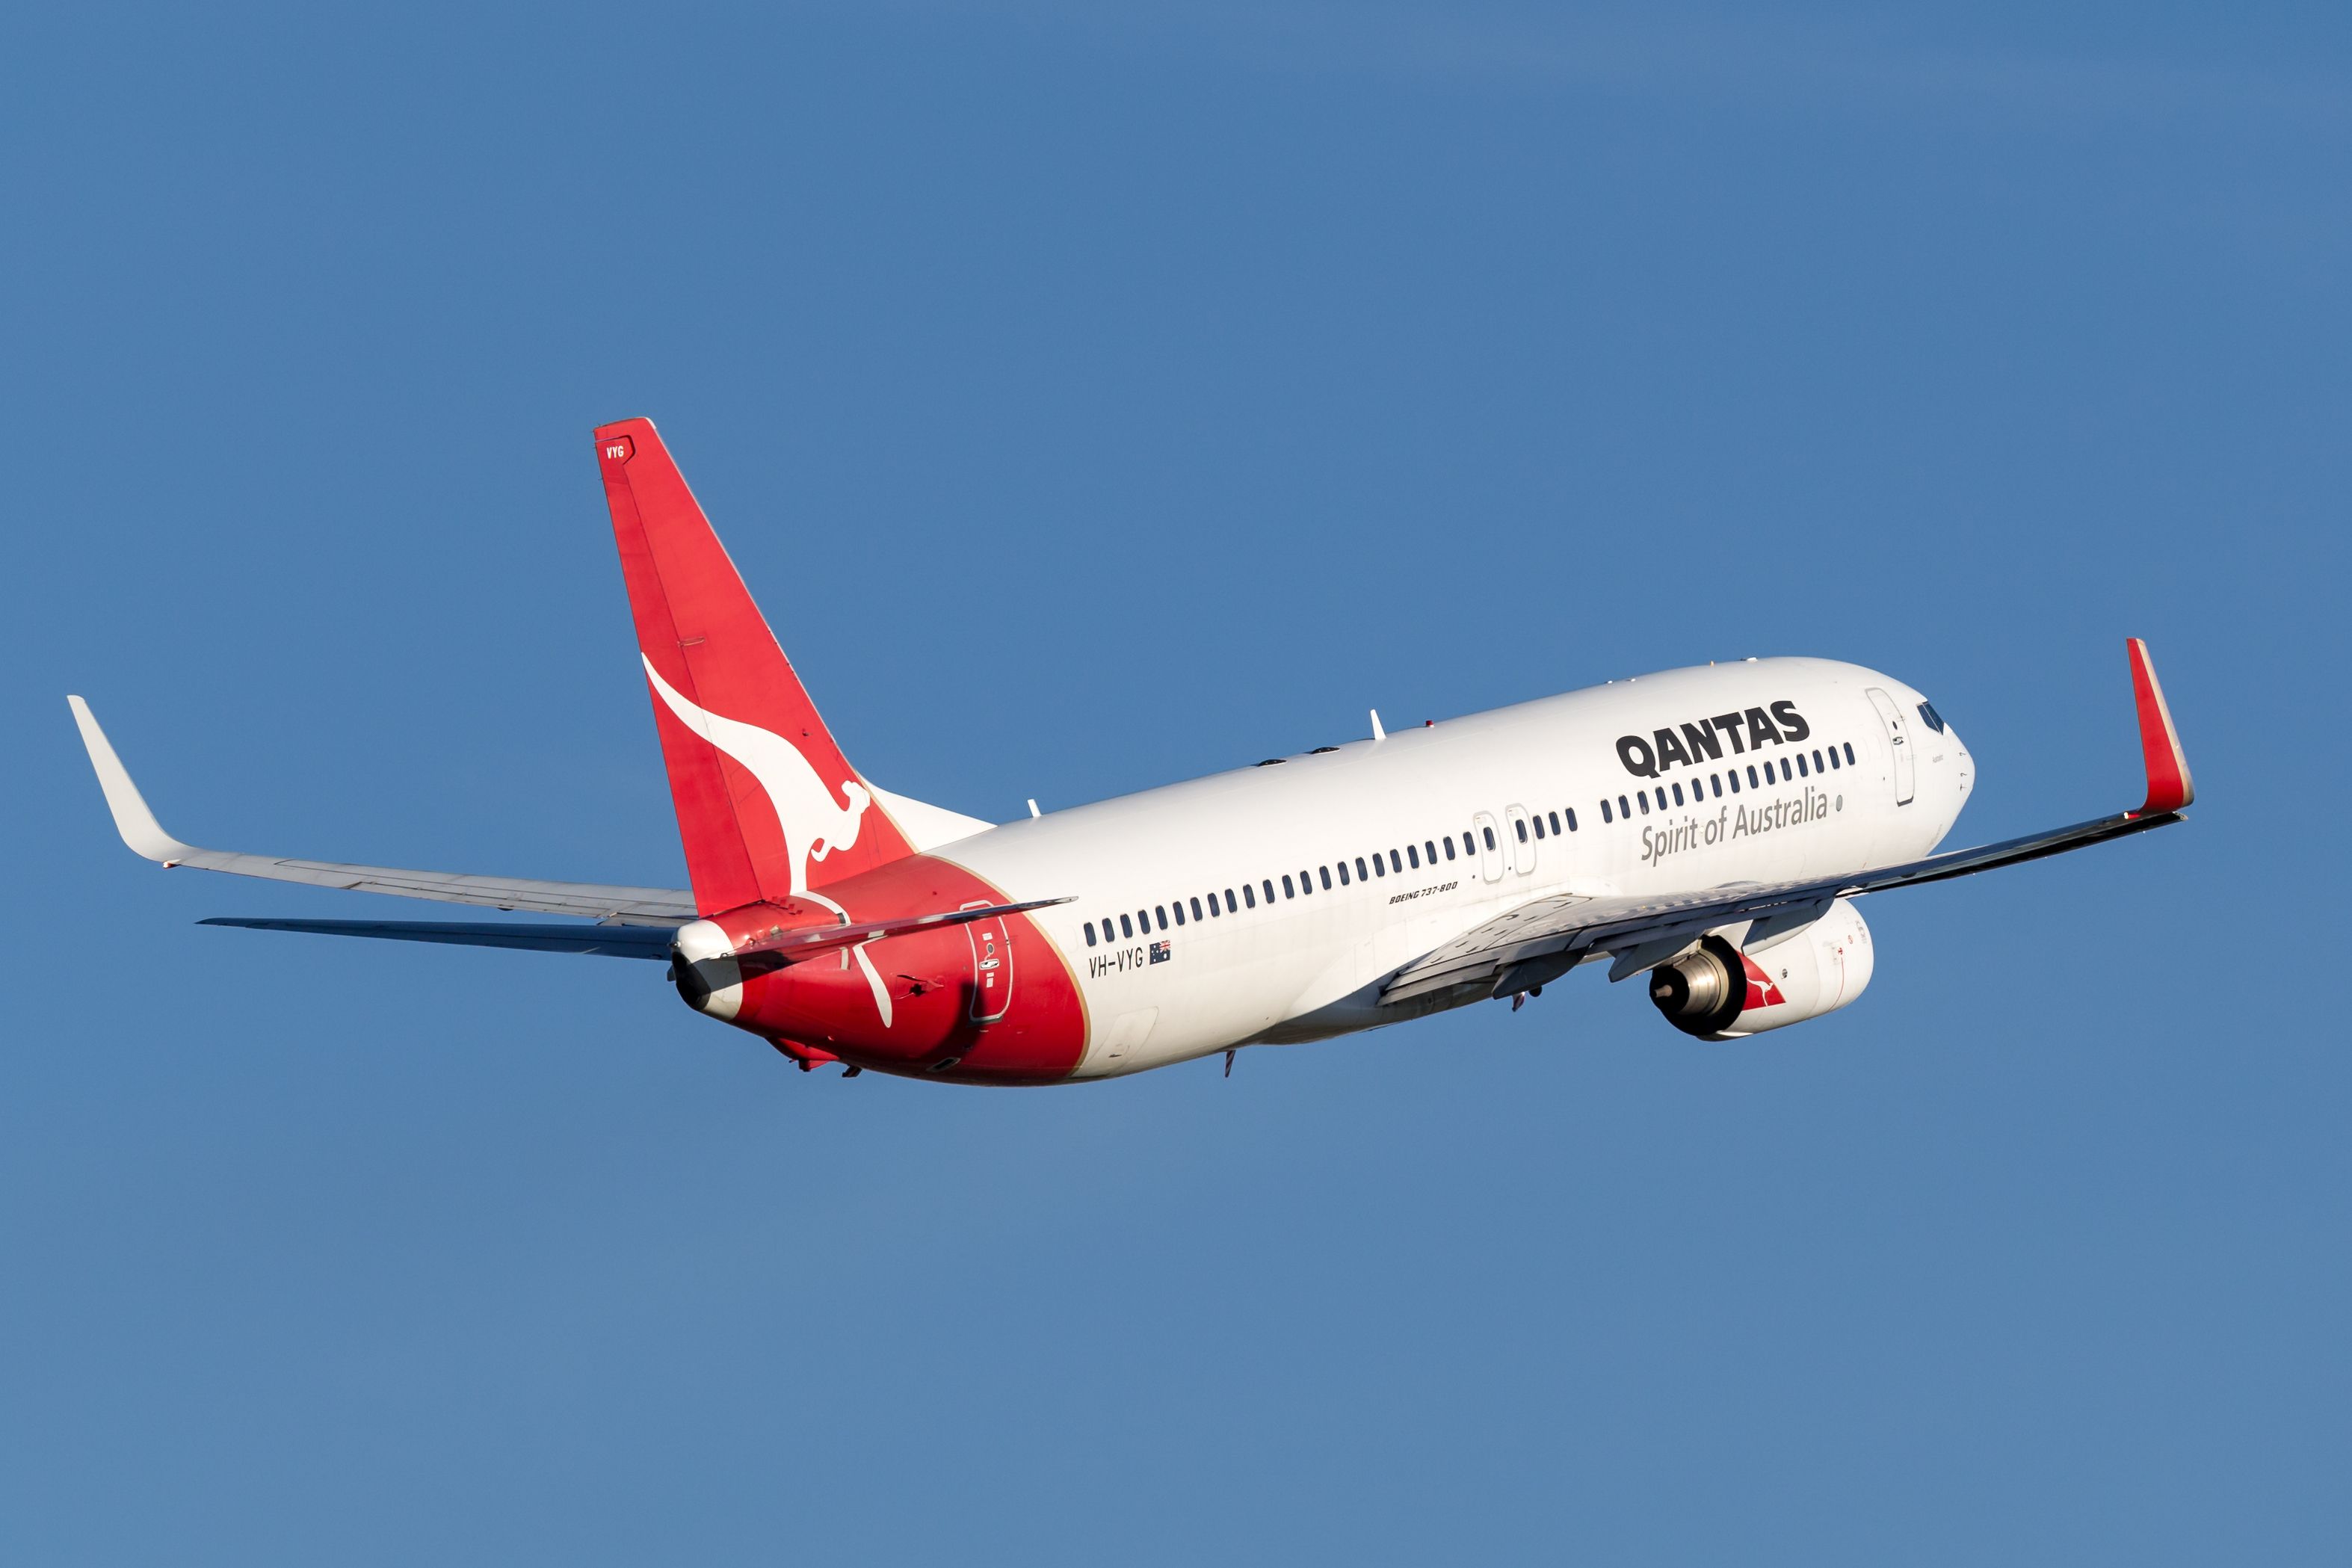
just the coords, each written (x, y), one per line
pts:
(1160, 953)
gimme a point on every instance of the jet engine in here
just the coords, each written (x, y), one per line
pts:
(1718, 991)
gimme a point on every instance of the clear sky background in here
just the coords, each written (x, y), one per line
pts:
(1098, 397)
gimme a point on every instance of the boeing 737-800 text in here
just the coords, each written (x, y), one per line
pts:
(1710, 828)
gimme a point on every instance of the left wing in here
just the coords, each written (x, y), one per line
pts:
(665, 907)
(1546, 937)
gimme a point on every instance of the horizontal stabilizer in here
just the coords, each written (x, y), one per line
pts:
(664, 907)
(805, 941)
(605, 941)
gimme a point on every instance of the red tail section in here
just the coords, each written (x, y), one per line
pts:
(767, 805)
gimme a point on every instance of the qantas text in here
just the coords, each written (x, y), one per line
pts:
(1703, 742)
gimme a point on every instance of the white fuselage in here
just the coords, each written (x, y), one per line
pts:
(1308, 963)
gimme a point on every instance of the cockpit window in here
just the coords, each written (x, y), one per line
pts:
(1934, 720)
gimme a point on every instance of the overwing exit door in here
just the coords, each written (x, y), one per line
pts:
(1490, 846)
(1898, 741)
(1522, 848)
(991, 967)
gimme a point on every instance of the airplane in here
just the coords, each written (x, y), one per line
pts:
(1708, 828)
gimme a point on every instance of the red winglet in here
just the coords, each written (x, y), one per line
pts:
(2169, 786)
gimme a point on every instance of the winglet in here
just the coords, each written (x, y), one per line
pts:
(131, 818)
(2170, 787)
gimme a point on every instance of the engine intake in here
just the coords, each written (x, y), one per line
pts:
(1719, 992)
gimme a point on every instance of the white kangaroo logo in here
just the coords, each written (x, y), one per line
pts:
(815, 825)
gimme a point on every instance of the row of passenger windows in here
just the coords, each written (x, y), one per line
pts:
(1216, 904)
(1667, 795)
(1365, 869)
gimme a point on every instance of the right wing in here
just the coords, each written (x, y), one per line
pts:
(668, 907)
(1543, 938)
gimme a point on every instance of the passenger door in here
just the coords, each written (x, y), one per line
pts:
(1898, 741)
(991, 966)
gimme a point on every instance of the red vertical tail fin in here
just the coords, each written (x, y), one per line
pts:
(767, 805)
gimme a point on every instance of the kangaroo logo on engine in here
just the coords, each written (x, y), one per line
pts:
(1690, 744)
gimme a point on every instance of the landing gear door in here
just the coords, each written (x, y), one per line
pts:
(1898, 741)
(1490, 844)
(991, 965)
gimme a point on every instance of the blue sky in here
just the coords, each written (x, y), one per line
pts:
(1094, 399)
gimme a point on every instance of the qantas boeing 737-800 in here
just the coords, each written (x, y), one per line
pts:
(1707, 827)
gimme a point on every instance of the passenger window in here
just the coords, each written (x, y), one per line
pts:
(1539, 832)
(1555, 822)
(1605, 815)
(1161, 911)
(1126, 926)
(1849, 750)
(1429, 849)
(1380, 866)
(1449, 846)
(1413, 856)
(1249, 895)
(1802, 771)
(1268, 885)
(1231, 907)
(1343, 873)
(1833, 758)
(1090, 934)
(1678, 794)
(1325, 872)
(1489, 834)
(1180, 911)
(1395, 863)
(1196, 909)
(1143, 920)
(1361, 875)
(1751, 778)
(1735, 781)
(1469, 845)
(1285, 887)
(1214, 911)
(1623, 810)
(1571, 817)
(1643, 796)
(1519, 826)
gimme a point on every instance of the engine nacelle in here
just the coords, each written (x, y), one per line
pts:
(1718, 992)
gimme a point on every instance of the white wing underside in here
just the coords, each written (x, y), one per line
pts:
(924, 825)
